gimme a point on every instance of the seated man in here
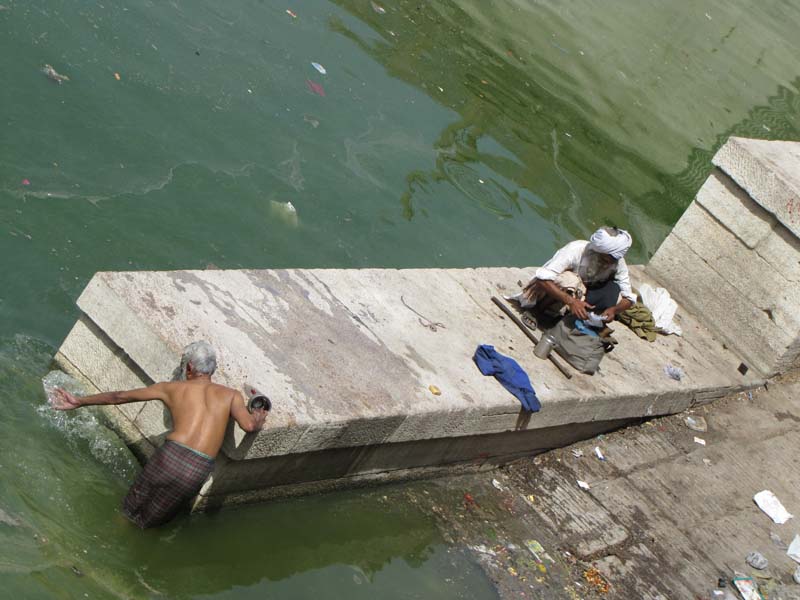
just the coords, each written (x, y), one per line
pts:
(590, 278)
(200, 410)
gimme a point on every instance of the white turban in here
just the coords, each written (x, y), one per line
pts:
(615, 245)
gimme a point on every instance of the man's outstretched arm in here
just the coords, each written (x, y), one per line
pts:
(63, 400)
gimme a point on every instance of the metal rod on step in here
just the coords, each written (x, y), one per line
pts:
(527, 331)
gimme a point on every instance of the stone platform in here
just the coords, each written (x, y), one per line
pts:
(734, 256)
(348, 358)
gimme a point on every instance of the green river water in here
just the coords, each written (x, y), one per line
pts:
(451, 133)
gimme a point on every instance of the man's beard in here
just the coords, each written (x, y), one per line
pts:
(593, 267)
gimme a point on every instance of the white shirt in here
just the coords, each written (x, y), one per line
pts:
(571, 258)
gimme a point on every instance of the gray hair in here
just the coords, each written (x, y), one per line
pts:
(201, 356)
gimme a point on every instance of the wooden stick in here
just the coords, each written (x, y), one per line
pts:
(527, 331)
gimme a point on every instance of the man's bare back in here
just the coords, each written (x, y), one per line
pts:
(200, 411)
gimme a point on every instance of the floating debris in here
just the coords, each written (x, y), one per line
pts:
(311, 121)
(26, 181)
(583, 485)
(535, 548)
(319, 68)
(497, 485)
(53, 75)
(599, 453)
(291, 13)
(284, 211)
(315, 88)
(481, 549)
(117, 76)
(7, 519)
(700, 441)
(377, 8)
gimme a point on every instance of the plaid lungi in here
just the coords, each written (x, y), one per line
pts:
(170, 478)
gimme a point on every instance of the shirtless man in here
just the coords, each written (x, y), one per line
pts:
(200, 410)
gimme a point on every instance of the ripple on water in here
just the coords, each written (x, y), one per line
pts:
(83, 427)
(487, 193)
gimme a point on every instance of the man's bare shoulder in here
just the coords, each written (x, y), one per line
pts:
(216, 390)
(221, 390)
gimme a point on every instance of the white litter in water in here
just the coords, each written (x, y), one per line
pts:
(700, 441)
(284, 211)
(583, 485)
(769, 503)
(319, 68)
(497, 485)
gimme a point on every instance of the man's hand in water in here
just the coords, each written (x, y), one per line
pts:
(63, 400)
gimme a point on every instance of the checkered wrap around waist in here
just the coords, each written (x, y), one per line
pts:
(170, 478)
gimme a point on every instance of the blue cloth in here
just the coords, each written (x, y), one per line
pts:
(510, 375)
(585, 328)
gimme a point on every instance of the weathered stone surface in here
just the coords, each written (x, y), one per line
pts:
(101, 363)
(732, 207)
(781, 251)
(111, 314)
(696, 285)
(734, 256)
(769, 171)
(664, 517)
(754, 280)
(348, 358)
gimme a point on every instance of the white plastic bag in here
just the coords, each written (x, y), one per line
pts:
(794, 549)
(662, 306)
(769, 503)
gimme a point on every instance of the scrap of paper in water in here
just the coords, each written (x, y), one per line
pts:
(319, 67)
